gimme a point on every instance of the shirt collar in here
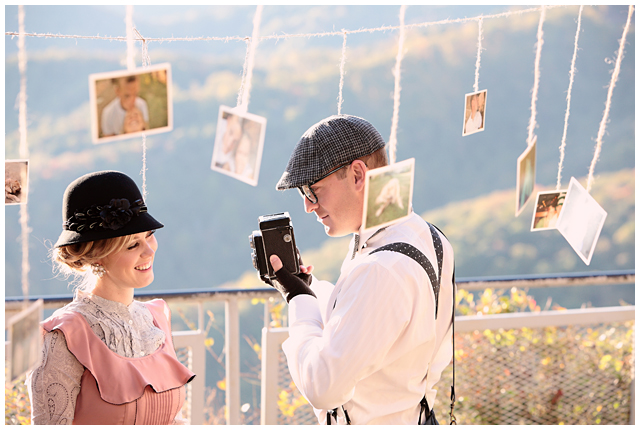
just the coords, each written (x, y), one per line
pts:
(373, 236)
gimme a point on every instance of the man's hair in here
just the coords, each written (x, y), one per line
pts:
(124, 79)
(372, 161)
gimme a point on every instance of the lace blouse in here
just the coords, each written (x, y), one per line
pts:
(126, 330)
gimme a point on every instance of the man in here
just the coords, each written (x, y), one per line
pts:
(370, 346)
(126, 101)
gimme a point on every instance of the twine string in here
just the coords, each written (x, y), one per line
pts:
(393, 140)
(536, 80)
(300, 35)
(24, 152)
(247, 73)
(131, 55)
(605, 116)
(145, 63)
(566, 115)
(342, 61)
(475, 85)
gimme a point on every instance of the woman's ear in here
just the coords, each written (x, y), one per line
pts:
(359, 174)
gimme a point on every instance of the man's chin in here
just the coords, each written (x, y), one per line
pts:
(333, 233)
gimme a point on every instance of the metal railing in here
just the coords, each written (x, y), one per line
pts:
(194, 340)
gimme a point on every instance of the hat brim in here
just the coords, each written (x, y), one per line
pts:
(138, 224)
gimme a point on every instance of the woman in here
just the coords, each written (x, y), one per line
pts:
(107, 358)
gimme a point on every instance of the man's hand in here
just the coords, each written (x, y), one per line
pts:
(288, 284)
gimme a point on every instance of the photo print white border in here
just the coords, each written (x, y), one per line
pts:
(24, 182)
(581, 218)
(217, 146)
(93, 102)
(527, 155)
(560, 194)
(399, 168)
(464, 113)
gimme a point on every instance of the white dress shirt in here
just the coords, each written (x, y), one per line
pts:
(380, 349)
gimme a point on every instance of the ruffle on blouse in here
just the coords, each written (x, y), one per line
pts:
(121, 379)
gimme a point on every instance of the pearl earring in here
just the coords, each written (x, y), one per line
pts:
(98, 270)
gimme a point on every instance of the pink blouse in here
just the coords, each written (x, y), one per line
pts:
(120, 390)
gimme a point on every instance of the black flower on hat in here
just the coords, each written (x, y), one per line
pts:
(112, 216)
(116, 214)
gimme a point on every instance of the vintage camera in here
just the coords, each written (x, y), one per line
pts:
(274, 237)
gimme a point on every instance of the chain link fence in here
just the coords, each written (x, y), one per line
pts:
(551, 375)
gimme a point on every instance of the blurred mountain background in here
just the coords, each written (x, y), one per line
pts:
(465, 185)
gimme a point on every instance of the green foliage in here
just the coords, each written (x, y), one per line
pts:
(17, 407)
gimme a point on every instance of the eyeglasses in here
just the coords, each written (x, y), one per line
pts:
(306, 191)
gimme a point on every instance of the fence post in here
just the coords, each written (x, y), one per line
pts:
(232, 361)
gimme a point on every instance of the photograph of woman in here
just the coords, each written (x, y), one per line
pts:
(107, 358)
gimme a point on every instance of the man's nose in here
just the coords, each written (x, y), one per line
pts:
(308, 206)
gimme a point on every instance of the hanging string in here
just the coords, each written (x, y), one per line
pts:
(605, 116)
(475, 86)
(288, 36)
(566, 115)
(247, 72)
(23, 150)
(131, 55)
(396, 92)
(145, 63)
(536, 79)
(342, 61)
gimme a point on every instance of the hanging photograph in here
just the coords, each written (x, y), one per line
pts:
(24, 340)
(525, 176)
(16, 181)
(237, 151)
(129, 103)
(474, 112)
(548, 207)
(581, 220)
(387, 194)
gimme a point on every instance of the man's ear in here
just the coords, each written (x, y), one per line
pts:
(359, 174)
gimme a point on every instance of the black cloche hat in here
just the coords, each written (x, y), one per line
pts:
(103, 205)
(328, 144)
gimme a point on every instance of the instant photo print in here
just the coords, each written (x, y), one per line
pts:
(23, 334)
(16, 181)
(237, 151)
(130, 103)
(547, 211)
(526, 176)
(474, 112)
(581, 220)
(388, 193)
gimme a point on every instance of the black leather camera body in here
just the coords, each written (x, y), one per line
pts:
(274, 237)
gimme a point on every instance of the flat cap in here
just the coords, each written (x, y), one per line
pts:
(328, 144)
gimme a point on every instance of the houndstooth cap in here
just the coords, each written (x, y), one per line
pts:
(328, 144)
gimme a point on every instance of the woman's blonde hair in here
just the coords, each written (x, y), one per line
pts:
(77, 258)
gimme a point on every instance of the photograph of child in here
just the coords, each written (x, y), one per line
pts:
(126, 104)
(16, 178)
(237, 151)
(474, 112)
(388, 193)
(548, 207)
(526, 176)
(581, 220)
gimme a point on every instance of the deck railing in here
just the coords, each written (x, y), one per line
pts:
(193, 341)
